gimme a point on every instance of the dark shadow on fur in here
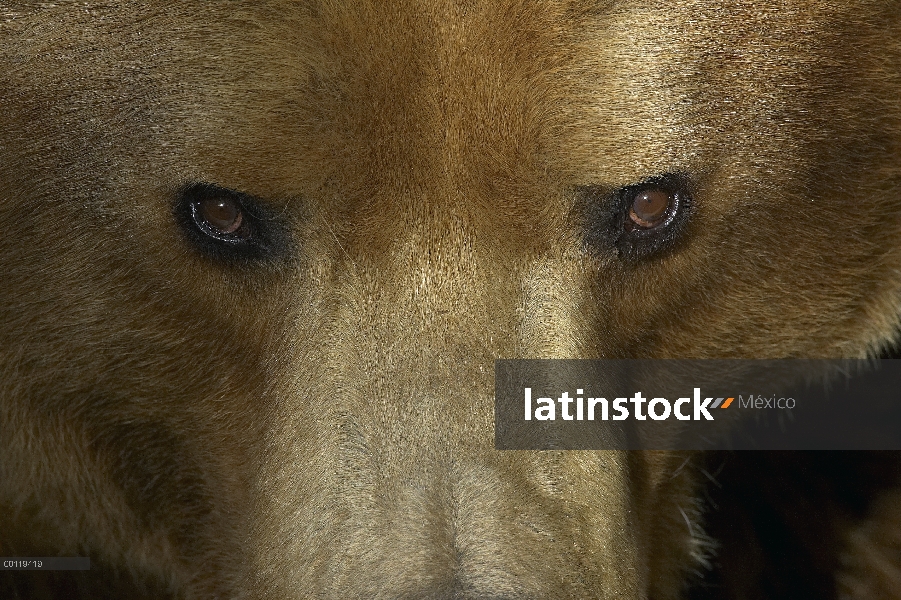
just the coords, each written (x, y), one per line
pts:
(780, 518)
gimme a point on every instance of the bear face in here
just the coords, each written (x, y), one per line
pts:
(261, 259)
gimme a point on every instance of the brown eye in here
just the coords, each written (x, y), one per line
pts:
(650, 208)
(222, 214)
(640, 220)
(231, 226)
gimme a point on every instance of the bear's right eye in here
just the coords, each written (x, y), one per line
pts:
(228, 224)
(650, 208)
(221, 216)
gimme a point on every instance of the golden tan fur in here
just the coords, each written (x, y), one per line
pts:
(321, 426)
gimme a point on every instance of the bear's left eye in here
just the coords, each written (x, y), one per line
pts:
(639, 220)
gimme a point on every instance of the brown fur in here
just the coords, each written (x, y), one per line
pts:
(320, 426)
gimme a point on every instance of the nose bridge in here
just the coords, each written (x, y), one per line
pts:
(434, 329)
(400, 464)
(382, 451)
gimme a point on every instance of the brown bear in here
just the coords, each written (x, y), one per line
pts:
(259, 260)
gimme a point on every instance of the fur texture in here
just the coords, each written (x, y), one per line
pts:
(318, 424)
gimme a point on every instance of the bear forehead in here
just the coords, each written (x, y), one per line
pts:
(285, 97)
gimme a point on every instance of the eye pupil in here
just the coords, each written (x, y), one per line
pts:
(222, 214)
(650, 207)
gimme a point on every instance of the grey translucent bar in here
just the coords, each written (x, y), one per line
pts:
(45, 563)
(790, 404)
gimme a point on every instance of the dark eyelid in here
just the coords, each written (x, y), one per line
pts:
(263, 236)
(607, 224)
